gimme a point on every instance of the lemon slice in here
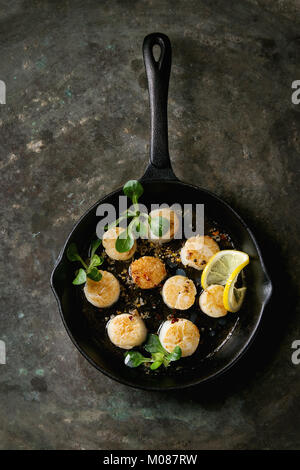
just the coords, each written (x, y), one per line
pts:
(222, 265)
(232, 296)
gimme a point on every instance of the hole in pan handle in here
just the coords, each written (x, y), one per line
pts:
(158, 75)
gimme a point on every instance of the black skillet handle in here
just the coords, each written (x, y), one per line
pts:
(158, 74)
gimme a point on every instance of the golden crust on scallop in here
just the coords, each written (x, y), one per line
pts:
(109, 242)
(198, 250)
(182, 333)
(211, 301)
(103, 293)
(127, 330)
(147, 272)
(179, 292)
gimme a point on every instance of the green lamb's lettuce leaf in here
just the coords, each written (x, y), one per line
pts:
(73, 255)
(175, 354)
(124, 241)
(133, 189)
(90, 270)
(159, 225)
(153, 345)
(72, 252)
(80, 277)
(135, 359)
(94, 246)
(156, 365)
(94, 274)
(158, 357)
(95, 261)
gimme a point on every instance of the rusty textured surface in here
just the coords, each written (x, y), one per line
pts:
(76, 126)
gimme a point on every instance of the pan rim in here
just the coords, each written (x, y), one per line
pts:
(213, 375)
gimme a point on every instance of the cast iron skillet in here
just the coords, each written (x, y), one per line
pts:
(161, 185)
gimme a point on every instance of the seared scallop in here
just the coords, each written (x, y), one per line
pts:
(127, 330)
(147, 272)
(179, 332)
(109, 244)
(173, 220)
(103, 293)
(211, 301)
(197, 251)
(179, 292)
